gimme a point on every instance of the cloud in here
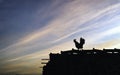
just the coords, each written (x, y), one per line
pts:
(94, 20)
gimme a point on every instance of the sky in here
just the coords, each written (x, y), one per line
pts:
(31, 29)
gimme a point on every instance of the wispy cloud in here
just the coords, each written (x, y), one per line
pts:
(96, 21)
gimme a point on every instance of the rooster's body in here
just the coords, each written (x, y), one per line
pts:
(79, 45)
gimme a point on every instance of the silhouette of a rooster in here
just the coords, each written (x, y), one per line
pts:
(79, 45)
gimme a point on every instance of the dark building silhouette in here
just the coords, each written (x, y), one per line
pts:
(84, 62)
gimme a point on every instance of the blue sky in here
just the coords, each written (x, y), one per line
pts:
(31, 29)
